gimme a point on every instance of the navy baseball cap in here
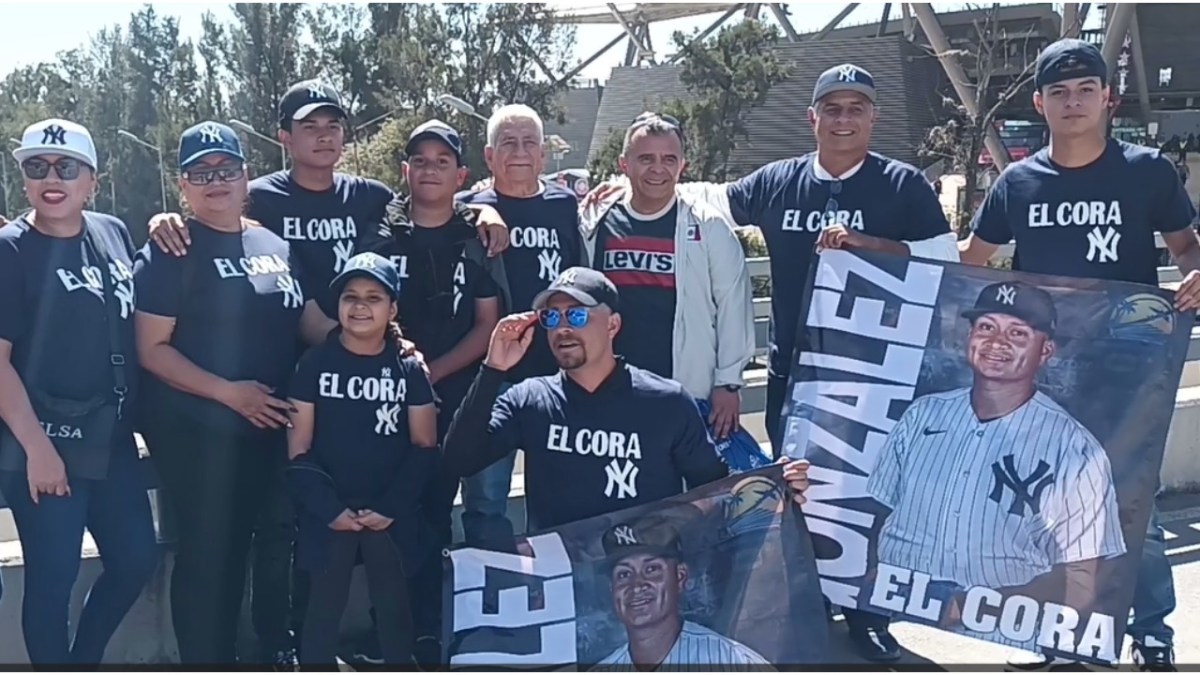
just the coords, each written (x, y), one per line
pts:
(371, 266)
(1028, 303)
(589, 287)
(305, 98)
(846, 77)
(208, 138)
(435, 130)
(1068, 59)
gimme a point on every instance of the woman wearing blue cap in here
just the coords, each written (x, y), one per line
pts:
(363, 445)
(219, 331)
(67, 373)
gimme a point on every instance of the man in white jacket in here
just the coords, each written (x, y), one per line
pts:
(681, 272)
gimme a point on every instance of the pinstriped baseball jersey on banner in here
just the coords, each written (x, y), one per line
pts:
(695, 647)
(995, 503)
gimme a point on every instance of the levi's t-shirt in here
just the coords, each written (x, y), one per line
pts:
(791, 205)
(1096, 221)
(237, 300)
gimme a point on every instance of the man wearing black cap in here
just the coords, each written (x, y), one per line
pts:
(648, 578)
(957, 443)
(452, 295)
(1089, 206)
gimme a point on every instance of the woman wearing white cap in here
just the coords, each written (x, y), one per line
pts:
(68, 362)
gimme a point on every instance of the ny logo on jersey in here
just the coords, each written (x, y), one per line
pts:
(293, 297)
(54, 135)
(1026, 491)
(1102, 244)
(385, 373)
(624, 536)
(341, 255)
(387, 419)
(548, 263)
(847, 74)
(622, 479)
(210, 133)
(1006, 295)
(124, 293)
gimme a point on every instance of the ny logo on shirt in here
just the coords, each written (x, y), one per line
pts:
(1027, 492)
(120, 276)
(622, 479)
(342, 251)
(1006, 295)
(293, 297)
(387, 419)
(548, 263)
(1102, 244)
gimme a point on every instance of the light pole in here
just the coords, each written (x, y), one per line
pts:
(162, 167)
(255, 132)
(4, 177)
(460, 105)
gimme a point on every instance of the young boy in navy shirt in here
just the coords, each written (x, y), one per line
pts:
(362, 446)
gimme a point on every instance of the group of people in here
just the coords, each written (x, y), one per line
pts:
(317, 362)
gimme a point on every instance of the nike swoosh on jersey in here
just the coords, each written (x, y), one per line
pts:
(931, 432)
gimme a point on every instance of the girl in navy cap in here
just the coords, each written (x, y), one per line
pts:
(363, 446)
(219, 332)
(67, 363)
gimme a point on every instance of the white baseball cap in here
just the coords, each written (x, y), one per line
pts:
(57, 137)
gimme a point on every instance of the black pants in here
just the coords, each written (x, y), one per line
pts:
(776, 396)
(278, 589)
(330, 587)
(215, 482)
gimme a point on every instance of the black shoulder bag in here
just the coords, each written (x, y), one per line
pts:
(81, 431)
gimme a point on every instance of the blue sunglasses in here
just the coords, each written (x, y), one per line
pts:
(576, 317)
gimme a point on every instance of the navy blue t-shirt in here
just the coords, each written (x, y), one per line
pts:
(321, 227)
(236, 299)
(1096, 221)
(544, 239)
(637, 253)
(635, 440)
(785, 199)
(52, 309)
(360, 434)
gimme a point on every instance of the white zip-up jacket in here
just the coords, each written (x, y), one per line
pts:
(714, 312)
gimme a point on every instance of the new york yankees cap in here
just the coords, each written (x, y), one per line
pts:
(371, 266)
(1069, 59)
(208, 138)
(305, 98)
(589, 287)
(846, 77)
(57, 137)
(654, 534)
(435, 130)
(1028, 303)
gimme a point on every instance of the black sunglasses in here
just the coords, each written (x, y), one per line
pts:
(224, 174)
(66, 168)
(835, 189)
(647, 118)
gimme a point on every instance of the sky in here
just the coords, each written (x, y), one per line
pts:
(74, 22)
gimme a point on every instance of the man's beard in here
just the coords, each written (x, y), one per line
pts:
(572, 360)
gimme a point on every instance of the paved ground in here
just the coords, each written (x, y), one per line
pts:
(928, 649)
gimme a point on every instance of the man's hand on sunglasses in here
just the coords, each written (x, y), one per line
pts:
(510, 340)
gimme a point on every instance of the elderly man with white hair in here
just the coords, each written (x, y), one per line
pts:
(544, 240)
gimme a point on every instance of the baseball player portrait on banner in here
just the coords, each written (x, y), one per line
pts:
(985, 444)
(722, 577)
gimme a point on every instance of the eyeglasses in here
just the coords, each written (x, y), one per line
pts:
(576, 317)
(835, 189)
(223, 174)
(647, 118)
(66, 168)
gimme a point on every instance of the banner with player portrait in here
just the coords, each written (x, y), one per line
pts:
(985, 445)
(721, 576)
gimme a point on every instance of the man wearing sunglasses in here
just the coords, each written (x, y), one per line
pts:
(681, 271)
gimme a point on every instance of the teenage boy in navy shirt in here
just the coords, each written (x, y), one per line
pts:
(544, 238)
(598, 436)
(1088, 206)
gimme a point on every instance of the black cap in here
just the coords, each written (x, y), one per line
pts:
(846, 77)
(372, 266)
(1068, 59)
(586, 285)
(653, 534)
(305, 98)
(1014, 298)
(435, 130)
